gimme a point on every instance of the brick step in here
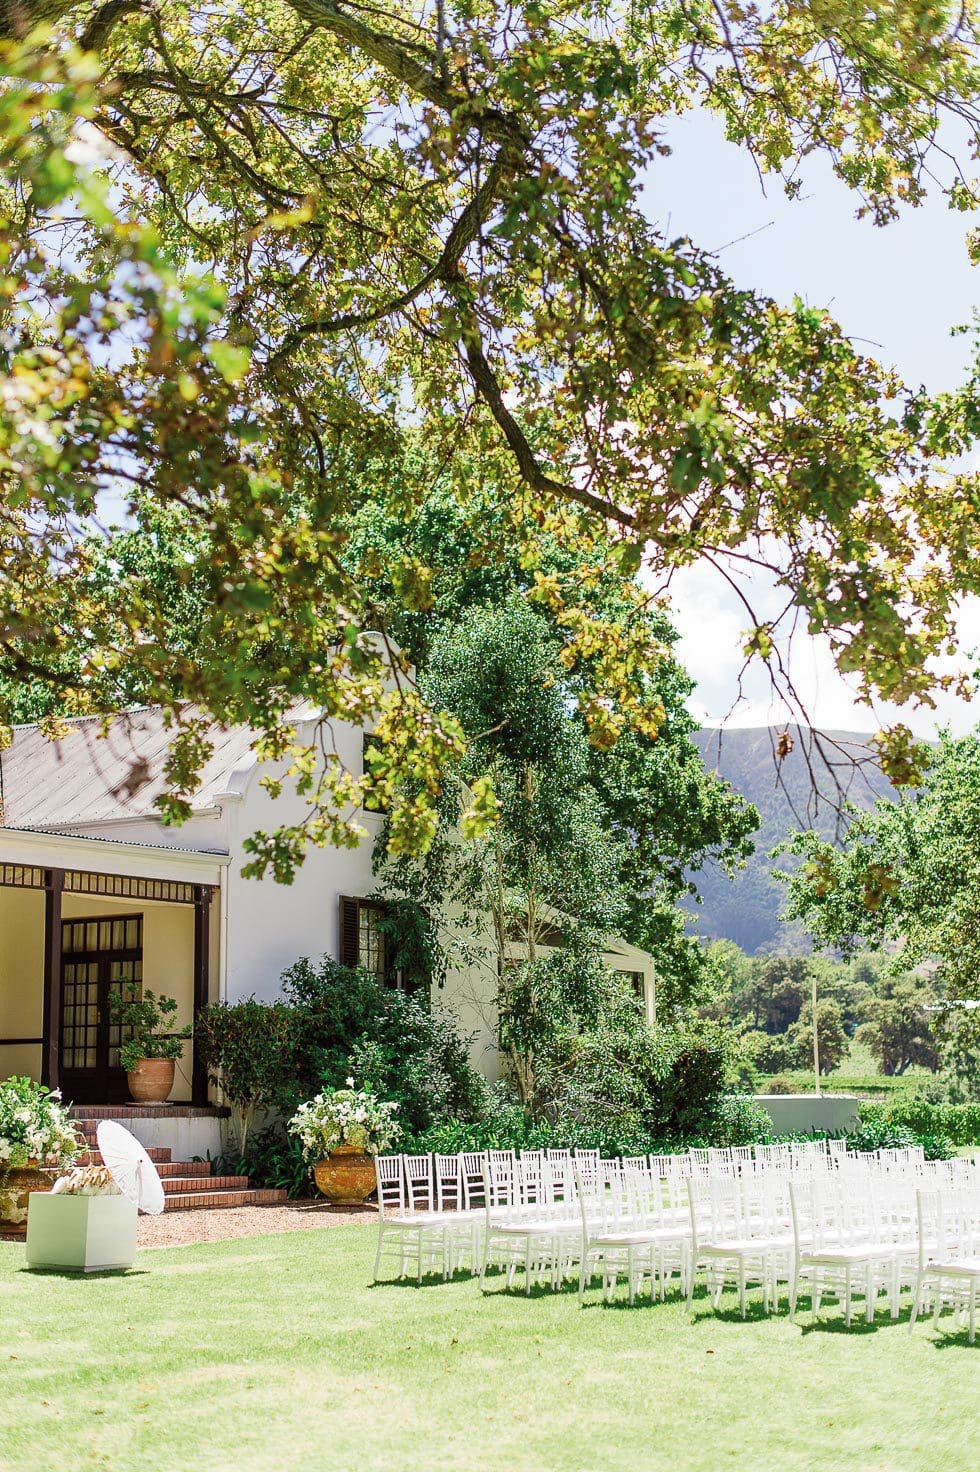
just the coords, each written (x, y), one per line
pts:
(216, 1199)
(182, 1185)
(159, 1154)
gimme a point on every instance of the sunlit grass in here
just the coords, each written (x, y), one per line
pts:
(277, 1353)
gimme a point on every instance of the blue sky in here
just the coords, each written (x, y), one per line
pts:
(897, 291)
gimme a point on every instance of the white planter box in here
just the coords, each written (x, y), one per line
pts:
(88, 1233)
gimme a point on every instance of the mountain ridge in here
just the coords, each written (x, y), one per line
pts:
(805, 788)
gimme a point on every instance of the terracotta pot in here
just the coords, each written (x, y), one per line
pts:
(16, 1186)
(151, 1080)
(347, 1177)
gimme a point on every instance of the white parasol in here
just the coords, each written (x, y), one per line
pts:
(130, 1167)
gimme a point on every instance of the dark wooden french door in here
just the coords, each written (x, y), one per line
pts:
(98, 956)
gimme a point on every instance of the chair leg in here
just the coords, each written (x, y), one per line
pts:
(916, 1302)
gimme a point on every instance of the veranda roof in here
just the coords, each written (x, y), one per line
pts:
(87, 777)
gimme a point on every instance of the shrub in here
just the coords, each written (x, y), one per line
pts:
(739, 1120)
(626, 1081)
(273, 1159)
(960, 1123)
(334, 1022)
(413, 1055)
(331, 1008)
(877, 1131)
(779, 1086)
(247, 1049)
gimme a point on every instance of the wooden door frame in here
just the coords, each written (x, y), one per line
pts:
(106, 1080)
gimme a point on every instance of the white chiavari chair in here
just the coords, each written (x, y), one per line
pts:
(408, 1226)
(948, 1268)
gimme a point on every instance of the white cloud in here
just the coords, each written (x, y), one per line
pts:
(712, 623)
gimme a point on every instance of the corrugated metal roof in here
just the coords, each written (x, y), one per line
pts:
(88, 777)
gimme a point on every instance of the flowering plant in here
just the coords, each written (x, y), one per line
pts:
(345, 1117)
(34, 1125)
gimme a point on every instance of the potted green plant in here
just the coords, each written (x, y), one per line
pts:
(341, 1131)
(149, 1055)
(35, 1132)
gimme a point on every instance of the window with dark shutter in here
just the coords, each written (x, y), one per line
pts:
(348, 947)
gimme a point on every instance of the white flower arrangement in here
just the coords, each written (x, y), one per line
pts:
(346, 1116)
(34, 1126)
(86, 1180)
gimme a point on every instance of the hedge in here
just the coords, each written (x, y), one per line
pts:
(960, 1123)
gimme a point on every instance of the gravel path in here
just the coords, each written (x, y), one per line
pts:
(180, 1228)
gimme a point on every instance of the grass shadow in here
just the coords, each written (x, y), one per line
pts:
(80, 1275)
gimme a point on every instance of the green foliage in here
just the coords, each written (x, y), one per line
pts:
(958, 1123)
(223, 316)
(897, 1028)
(832, 1041)
(146, 1017)
(272, 1159)
(331, 1007)
(632, 1081)
(330, 1023)
(908, 878)
(877, 1131)
(246, 1047)
(414, 1055)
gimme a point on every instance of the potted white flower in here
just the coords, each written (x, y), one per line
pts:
(341, 1132)
(35, 1131)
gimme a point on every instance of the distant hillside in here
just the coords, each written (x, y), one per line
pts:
(803, 790)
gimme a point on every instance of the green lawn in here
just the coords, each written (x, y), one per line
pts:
(275, 1353)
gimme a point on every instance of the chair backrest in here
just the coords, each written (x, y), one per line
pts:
(533, 1178)
(765, 1204)
(715, 1207)
(502, 1182)
(392, 1200)
(699, 1161)
(586, 1159)
(419, 1183)
(472, 1172)
(741, 1157)
(449, 1182)
(772, 1155)
(895, 1210)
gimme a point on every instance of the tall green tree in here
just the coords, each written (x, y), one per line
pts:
(249, 249)
(908, 878)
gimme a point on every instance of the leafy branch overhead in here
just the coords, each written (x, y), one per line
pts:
(266, 263)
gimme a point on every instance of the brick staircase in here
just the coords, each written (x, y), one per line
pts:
(187, 1184)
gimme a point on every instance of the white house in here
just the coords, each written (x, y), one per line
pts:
(95, 890)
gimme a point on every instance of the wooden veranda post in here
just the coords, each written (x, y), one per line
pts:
(54, 884)
(202, 982)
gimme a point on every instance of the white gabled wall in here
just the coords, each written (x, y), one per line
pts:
(270, 925)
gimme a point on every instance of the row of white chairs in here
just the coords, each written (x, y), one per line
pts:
(851, 1226)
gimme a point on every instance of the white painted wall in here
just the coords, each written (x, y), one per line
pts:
(270, 925)
(799, 1114)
